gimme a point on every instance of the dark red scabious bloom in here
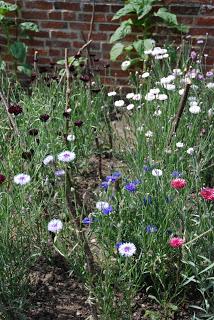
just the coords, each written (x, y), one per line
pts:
(15, 109)
(207, 193)
(178, 183)
(33, 132)
(66, 114)
(44, 117)
(27, 155)
(85, 78)
(78, 123)
(2, 178)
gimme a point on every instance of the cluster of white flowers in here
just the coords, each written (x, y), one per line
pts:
(158, 53)
(119, 103)
(155, 94)
(194, 107)
(210, 85)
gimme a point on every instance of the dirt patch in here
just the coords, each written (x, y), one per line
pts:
(54, 294)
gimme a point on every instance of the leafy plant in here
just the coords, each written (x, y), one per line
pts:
(146, 15)
(16, 48)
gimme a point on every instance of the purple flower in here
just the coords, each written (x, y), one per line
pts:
(15, 109)
(151, 228)
(131, 187)
(2, 178)
(200, 77)
(136, 182)
(116, 174)
(44, 117)
(87, 220)
(147, 168)
(111, 179)
(55, 225)
(193, 55)
(107, 210)
(209, 74)
(176, 174)
(104, 185)
(118, 244)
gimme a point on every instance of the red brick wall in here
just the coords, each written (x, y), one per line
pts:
(61, 23)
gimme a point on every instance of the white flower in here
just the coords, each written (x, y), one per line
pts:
(148, 52)
(210, 113)
(71, 137)
(159, 57)
(149, 134)
(59, 172)
(140, 129)
(48, 160)
(100, 205)
(22, 179)
(162, 97)
(157, 113)
(190, 151)
(130, 106)
(136, 97)
(150, 96)
(179, 144)
(127, 249)
(130, 95)
(145, 75)
(166, 55)
(192, 98)
(66, 156)
(181, 92)
(55, 225)
(157, 172)
(165, 80)
(177, 72)
(195, 109)
(112, 93)
(154, 91)
(169, 86)
(210, 85)
(119, 103)
(125, 65)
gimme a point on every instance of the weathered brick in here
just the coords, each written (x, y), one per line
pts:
(69, 16)
(63, 35)
(44, 5)
(66, 6)
(54, 25)
(29, 15)
(55, 15)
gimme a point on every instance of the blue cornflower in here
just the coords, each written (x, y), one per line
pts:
(147, 168)
(176, 174)
(151, 228)
(136, 182)
(117, 174)
(147, 200)
(87, 220)
(107, 210)
(131, 187)
(111, 179)
(118, 244)
(104, 185)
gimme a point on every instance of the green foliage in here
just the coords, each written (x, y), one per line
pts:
(15, 47)
(146, 16)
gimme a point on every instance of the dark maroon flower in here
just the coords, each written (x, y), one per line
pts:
(44, 117)
(27, 155)
(2, 178)
(15, 109)
(78, 123)
(66, 114)
(33, 132)
(107, 65)
(85, 78)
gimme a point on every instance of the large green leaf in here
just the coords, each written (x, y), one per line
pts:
(122, 31)
(7, 7)
(149, 44)
(18, 50)
(168, 17)
(139, 47)
(116, 51)
(129, 8)
(144, 11)
(29, 26)
(26, 69)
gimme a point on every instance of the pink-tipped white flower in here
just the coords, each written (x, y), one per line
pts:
(119, 103)
(111, 94)
(145, 75)
(130, 95)
(22, 179)
(127, 249)
(59, 173)
(130, 106)
(55, 225)
(66, 156)
(136, 97)
(179, 144)
(190, 151)
(125, 65)
(71, 137)
(49, 159)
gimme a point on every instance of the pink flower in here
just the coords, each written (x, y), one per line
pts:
(207, 193)
(176, 242)
(178, 183)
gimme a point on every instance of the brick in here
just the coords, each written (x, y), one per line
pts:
(54, 25)
(205, 21)
(39, 5)
(29, 15)
(64, 35)
(58, 44)
(99, 37)
(97, 8)
(55, 15)
(107, 27)
(185, 10)
(69, 15)
(35, 43)
(54, 53)
(66, 6)
(201, 31)
(80, 26)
